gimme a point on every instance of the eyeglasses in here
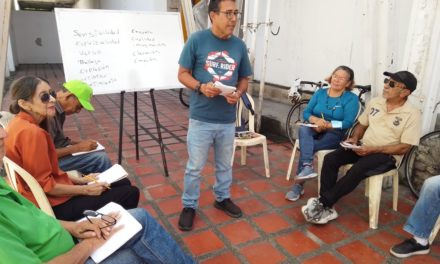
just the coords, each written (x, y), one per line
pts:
(339, 77)
(230, 14)
(337, 104)
(45, 97)
(392, 83)
(108, 220)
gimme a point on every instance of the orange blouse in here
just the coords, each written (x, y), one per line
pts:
(32, 148)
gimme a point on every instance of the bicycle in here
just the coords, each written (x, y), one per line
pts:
(296, 93)
(184, 94)
(421, 162)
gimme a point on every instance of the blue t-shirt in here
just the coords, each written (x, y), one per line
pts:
(213, 59)
(343, 108)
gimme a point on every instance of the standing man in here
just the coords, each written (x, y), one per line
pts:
(208, 56)
(387, 129)
(70, 101)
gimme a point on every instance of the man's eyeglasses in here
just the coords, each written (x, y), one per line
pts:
(391, 83)
(108, 220)
(45, 97)
(230, 14)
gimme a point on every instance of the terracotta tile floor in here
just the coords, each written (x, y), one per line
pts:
(272, 229)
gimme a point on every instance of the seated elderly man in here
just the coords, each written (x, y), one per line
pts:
(30, 236)
(77, 95)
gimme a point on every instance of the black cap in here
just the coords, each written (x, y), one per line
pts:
(404, 77)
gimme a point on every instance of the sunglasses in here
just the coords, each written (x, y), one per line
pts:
(45, 97)
(390, 83)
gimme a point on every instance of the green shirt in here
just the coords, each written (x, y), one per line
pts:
(27, 234)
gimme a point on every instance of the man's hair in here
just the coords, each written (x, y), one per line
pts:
(214, 5)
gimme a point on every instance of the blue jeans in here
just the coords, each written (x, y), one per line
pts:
(201, 135)
(427, 209)
(311, 141)
(152, 244)
(97, 161)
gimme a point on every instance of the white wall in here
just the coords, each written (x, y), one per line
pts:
(316, 36)
(35, 37)
(369, 36)
(137, 5)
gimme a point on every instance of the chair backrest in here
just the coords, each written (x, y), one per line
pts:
(12, 170)
(5, 118)
(241, 109)
(351, 129)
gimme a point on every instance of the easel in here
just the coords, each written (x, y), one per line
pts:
(156, 119)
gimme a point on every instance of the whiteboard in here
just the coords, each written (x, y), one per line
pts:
(116, 51)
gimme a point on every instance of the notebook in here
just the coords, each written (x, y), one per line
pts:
(226, 89)
(129, 227)
(98, 148)
(115, 173)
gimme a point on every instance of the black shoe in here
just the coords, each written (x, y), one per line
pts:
(229, 207)
(408, 248)
(186, 219)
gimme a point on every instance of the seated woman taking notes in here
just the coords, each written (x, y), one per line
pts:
(31, 147)
(333, 110)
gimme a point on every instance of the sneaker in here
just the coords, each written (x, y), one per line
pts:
(229, 208)
(408, 248)
(186, 219)
(312, 208)
(306, 173)
(295, 193)
(325, 216)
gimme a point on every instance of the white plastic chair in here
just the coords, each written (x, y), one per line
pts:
(319, 156)
(12, 170)
(5, 118)
(256, 139)
(373, 190)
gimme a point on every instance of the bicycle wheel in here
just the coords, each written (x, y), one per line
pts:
(184, 94)
(422, 161)
(295, 115)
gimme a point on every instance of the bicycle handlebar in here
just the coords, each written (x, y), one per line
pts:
(320, 84)
(364, 88)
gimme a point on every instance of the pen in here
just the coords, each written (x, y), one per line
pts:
(322, 115)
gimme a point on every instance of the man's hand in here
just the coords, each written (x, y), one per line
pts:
(95, 189)
(232, 98)
(85, 179)
(85, 145)
(366, 150)
(209, 90)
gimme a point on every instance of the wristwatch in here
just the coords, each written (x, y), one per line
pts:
(197, 88)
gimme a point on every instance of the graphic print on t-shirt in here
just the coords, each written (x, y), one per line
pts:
(220, 65)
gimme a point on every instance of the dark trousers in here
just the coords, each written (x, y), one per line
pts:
(121, 192)
(363, 166)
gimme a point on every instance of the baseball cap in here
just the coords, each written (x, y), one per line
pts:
(82, 91)
(404, 77)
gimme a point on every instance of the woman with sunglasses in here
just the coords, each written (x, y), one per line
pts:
(31, 147)
(333, 111)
